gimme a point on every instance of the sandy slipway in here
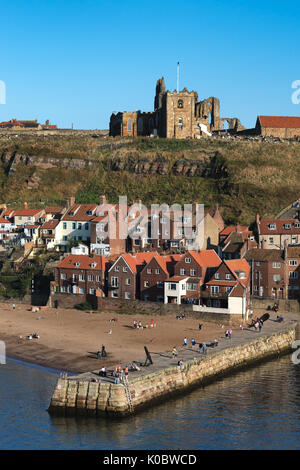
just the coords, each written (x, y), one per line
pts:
(82, 394)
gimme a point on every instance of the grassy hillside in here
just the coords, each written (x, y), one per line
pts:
(252, 176)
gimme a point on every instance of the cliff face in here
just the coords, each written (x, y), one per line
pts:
(210, 165)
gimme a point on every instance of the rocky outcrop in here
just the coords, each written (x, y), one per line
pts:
(205, 165)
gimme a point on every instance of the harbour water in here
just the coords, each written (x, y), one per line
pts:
(258, 408)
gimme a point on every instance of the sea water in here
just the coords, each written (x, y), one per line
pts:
(257, 408)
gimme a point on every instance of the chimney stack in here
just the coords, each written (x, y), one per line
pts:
(70, 201)
(25, 205)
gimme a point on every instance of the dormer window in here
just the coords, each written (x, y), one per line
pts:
(287, 226)
(71, 214)
(93, 265)
(77, 264)
(89, 213)
(272, 226)
(297, 225)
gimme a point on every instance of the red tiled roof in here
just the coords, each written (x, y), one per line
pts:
(27, 212)
(236, 265)
(265, 230)
(84, 260)
(53, 209)
(280, 121)
(50, 224)
(80, 212)
(206, 258)
(177, 278)
(233, 228)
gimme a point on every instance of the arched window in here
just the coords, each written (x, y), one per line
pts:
(180, 103)
(140, 125)
(180, 123)
(129, 124)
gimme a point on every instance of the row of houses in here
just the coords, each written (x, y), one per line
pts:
(200, 278)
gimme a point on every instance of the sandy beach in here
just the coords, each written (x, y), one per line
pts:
(69, 339)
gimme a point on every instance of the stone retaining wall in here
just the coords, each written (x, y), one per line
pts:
(110, 399)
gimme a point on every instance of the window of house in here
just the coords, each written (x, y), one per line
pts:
(276, 277)
(63, 276)
(276, 265)
(271, 240)
(86, 226)
(75, 277)
(157, 271)
(192, 272)
(79, 225)
(180, 104)
(81, 277)
(64, 225)
(149, 270)
(287, 226)
(81, 290)
(127, 295)
(63, 289)
(294, 239)
(146, 283)
(180, 123)
(114, 281)
(297, 225)
(128, 281)
(117, 268)
(294, 275)
(182, 271)
(217, 276)
(77, 264)
(172, 286)
(92, 291)
(183, 286)
(293, 262)
(258, 263)
(187, 260)
(272, 226)
(191, 286)
(160, 285)
(228, 290)
(65, 238)
(125, 269)
(98, 278)
(90, 277)
(214, 289)
(73, 225)
(115, 294)
(228, 277)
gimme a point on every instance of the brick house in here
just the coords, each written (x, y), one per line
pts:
(75, 224)
(268, 273)
(124, 275)
(230, 282)
(81, 275)
(190, 273)
(275, 233)
(154, 274)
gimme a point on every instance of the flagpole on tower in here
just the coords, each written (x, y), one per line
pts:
(177, 77)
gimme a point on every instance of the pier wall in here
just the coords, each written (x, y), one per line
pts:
(72, 396)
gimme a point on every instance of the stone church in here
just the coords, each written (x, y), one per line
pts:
(176, 114)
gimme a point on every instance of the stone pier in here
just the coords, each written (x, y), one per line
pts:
(83, 394)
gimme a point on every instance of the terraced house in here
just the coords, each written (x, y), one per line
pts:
(81, 275)
(275, 233)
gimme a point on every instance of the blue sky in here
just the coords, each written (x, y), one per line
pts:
(78, 61)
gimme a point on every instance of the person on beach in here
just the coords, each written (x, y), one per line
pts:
(103, 351)
(256, 326)
(259, 325)
(134, 324)
(200, 347)
(174, 352)
(98, 355)
(204, 348)
(13, 306)
(185, 342)
(226, 334)
(193, 342)
(180, 364)
(230, 333)
(117, 377)
(126, 372)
